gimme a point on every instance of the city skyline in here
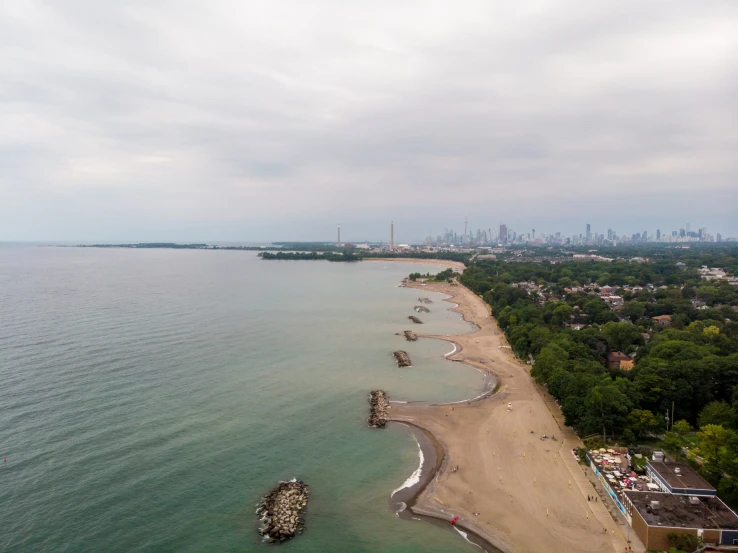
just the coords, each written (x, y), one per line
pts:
(592, 234)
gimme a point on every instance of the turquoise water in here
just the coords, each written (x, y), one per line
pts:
(149, 398)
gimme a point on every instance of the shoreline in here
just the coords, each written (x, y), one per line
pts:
(539, 480)
(431, 450)
(457, 266)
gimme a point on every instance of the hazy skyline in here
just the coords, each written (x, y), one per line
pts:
(251, 121)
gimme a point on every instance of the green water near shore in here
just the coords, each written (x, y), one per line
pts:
(150, 397)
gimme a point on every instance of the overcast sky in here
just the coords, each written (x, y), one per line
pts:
(244, 120)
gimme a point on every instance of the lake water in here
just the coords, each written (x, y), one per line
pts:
(149, 398)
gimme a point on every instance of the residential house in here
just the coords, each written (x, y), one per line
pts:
(618, 360)
(662, 320)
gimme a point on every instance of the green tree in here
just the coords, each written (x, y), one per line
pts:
(673, 443)
(620, 336)
(551, 358)
(634, 309)
(642, 421)
(716, 412)
(561, 314)
(681, 427)
(711, 331)
(682, 541)
(714, 440)
(607, 407)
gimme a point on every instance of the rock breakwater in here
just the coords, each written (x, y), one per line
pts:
(281, 510)
(410, 336)
(403, 359)
(421, 309)
(378, 408)
(414, 319)
(425, 300)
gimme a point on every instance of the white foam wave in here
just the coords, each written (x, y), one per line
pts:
(414, 478)
(466, 537)
(452, 351)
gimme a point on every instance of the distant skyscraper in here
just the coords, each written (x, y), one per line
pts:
(534, 234)
(392, 236)
(339, 235)
(503, 233)
(589, 233)
(719, 237)
(687, 228)
(658, 234)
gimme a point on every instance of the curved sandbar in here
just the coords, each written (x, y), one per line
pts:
(530, 495)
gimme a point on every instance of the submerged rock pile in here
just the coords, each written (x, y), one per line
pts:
(403, 359)
(281, 509)
(414, 319)
(424, 300)
(378, 409)
(410, 336)
(421, 309)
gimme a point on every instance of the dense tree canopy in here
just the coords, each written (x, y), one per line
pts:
(558, 315)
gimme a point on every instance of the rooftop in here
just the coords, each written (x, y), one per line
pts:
(680, 475)
(617, 356)
(677, 511)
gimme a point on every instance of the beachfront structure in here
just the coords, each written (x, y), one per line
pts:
(612, 469)
(678, 478)
(655, 515)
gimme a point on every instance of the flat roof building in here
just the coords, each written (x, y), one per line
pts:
(655, 515)
(678, 478)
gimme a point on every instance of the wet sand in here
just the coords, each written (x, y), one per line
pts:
(530, 494)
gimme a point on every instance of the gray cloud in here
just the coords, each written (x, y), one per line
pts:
(258, 120)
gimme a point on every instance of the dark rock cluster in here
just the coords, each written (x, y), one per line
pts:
(414, 319)
(281, 510)
(421, 309)
(378, 408)
(410, 336)
(403, 359)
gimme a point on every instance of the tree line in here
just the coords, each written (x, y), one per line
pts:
(553, 316)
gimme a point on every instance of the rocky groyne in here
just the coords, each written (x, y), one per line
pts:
(403, 359)
(424, 300)
(414, 319)
(421, 309)
(410, 336)
(378, 408)
(281, 510)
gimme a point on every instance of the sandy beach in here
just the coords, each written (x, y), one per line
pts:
(457, 266)
(529, 494)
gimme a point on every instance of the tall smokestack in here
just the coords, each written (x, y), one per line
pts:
(392, 236)
(339, 235)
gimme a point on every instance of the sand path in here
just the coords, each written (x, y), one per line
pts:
(531, 495)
